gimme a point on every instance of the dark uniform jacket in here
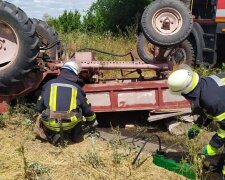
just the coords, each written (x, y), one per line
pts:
(61, 90)
(208, 100)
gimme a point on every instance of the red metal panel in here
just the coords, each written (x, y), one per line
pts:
(220, 4)
(121, 98)
(30, 83)
(4, 107)
(220, 12)
(104, 65)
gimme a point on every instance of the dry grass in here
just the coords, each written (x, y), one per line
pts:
(24, 157)
(118, 45)
(72, 42)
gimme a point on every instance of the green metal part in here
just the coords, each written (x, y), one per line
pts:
(182, 168)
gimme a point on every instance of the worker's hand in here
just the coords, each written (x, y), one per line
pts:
(91, 124)
(193, 131)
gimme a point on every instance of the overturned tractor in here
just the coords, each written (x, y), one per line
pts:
(30, 54)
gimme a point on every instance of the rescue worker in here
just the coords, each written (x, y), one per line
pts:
(207, 98)
(64, 98)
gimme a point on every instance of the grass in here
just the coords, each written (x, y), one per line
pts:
(72, 42)
(24, 157)
(92, 156)
(118, 45)
(2, 121)
(207, 71)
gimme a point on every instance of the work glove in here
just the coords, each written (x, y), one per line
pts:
(93, 123)
(193, 131)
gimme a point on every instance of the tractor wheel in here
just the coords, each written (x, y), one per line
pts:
(18, 45)
(145, 50)
(184, 54)
(181, 54)
(166, 22)
(47, 36)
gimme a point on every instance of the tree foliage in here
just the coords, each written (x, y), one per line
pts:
(68, 22)
(114, 15)
(103, 16)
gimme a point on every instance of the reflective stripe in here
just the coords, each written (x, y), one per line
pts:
(52, 98)
(73, 102)
(217, 118)
(219, 82)
(53, 124)
(211, 151)
(194, 81)
(55, 98)
(91, 118)
(221, 133)
(39, 98)
(223, 171)
(220, 117)
(72, 99)
(88, 102)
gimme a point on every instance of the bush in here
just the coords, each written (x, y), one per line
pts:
(68, 22)
(114, 15)
(103, 16)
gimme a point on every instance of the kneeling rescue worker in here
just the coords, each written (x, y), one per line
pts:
(207, 98)
(62, 105)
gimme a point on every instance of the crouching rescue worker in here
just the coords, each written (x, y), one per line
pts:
(62, 105)
(207, 98)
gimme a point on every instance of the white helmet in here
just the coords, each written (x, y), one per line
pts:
(73, 65)
(182, 81)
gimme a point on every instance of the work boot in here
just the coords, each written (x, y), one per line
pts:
(56, 139)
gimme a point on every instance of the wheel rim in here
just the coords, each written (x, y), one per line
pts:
(179, 56)
(167, 21)
(9, 45)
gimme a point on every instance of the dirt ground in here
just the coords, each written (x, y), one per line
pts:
(22, 156)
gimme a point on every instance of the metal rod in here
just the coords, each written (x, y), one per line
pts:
(116, 65)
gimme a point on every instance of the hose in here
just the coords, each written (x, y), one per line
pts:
(50, 45)
(142, 148)
(104, 52)
(86, 49)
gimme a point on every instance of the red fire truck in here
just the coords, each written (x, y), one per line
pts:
(172, 32)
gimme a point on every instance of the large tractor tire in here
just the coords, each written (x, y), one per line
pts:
(184, 54)
(166, 22)
(145, 50)
(47, 36)
(180, 54)
(18, 45)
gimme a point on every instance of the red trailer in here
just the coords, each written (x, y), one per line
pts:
(112, 95)
(30, 54)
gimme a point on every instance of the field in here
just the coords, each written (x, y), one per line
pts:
(24, 157)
